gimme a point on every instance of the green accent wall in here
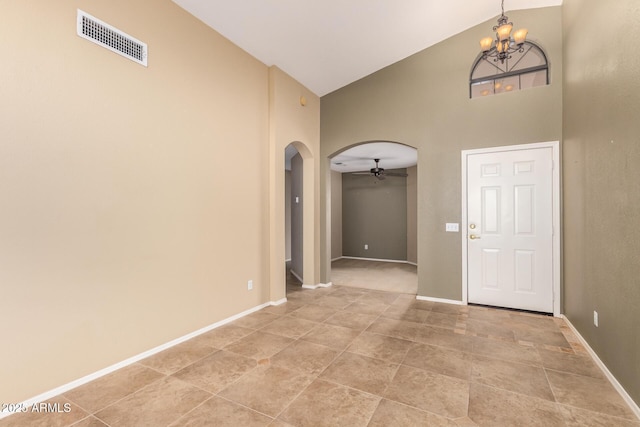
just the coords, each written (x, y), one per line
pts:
(602, 180)
(297, 230)
(374, 212)
(423, 101)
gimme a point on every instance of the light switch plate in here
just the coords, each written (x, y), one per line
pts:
(452, 227)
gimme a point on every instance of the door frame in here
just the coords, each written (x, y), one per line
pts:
(555, 148)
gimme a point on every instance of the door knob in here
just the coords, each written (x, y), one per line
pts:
(474, 237)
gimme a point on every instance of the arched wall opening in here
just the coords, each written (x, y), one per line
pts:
(371, 217)
(294, 119)
(299, 226)
(308, 197)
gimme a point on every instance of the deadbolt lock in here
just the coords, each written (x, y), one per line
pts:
(472, 226)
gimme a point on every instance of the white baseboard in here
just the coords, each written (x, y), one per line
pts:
(399, 261)
(88, 378)
(442, 300)
(412, 263)
(305, 286)
(623, 393)
(319, 285)
(335, 259)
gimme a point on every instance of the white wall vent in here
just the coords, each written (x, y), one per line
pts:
(105, 35)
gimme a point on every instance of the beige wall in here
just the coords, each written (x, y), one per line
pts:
(123, 225)
(423, 101)
(336, 214)
(601, 181)
(412, 214)
(291, 122)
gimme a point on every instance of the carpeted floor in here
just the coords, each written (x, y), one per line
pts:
(376, 275)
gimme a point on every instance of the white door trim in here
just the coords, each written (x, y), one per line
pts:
(555, 147)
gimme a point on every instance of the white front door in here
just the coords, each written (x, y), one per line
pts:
(510, 228)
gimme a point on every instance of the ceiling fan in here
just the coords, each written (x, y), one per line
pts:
(379, 172)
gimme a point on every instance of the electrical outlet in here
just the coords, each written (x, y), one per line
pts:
(595, 318)
(250, 285)
(366, 247)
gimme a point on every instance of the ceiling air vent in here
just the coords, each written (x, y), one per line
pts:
(113, 39)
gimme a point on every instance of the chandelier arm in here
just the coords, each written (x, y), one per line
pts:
(505, 54)
(497, 56)
(503, 57)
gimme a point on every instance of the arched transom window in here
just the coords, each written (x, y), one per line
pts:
(523, 69)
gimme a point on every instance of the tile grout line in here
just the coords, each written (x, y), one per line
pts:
(339, 354)
(317, 377)
(93, 413)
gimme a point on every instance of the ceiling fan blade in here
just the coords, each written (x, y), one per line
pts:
(379, 172)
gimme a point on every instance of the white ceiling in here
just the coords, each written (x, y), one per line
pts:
(327, 44)
(360, 157)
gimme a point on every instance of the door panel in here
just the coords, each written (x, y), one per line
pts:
(491, 267)
(510, 219)
(491, 201)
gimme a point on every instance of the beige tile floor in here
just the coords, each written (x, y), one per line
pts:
(344, 356)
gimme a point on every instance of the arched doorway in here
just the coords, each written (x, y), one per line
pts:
(294, 217)
(309, 202)
(372, 210)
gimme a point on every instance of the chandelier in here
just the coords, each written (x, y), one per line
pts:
(501, 48)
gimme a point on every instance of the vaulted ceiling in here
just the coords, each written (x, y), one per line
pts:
(327, 44)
